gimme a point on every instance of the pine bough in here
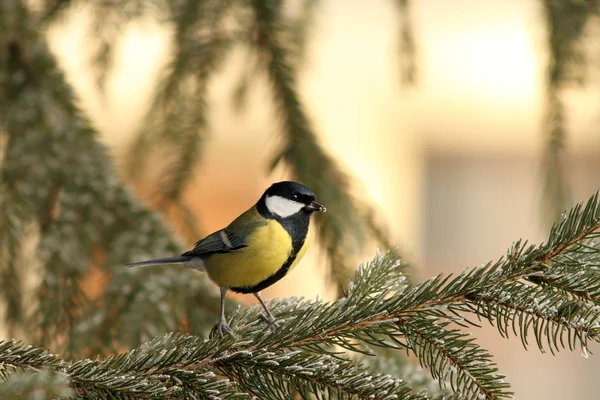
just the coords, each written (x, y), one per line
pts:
(548, 294)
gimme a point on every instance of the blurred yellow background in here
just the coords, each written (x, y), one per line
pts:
(453, 163)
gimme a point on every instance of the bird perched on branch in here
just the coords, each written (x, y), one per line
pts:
(255, 250)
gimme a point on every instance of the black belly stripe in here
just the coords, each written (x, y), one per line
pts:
(281, 272)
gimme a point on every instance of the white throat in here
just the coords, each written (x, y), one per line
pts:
(282, 207)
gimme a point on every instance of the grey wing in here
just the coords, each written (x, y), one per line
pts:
(219, 242)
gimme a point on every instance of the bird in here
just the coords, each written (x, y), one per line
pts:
(256, 249)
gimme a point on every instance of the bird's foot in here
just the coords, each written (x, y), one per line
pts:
(221, 328)
(270, 321)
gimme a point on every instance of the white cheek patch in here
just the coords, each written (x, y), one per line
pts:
(282, 207)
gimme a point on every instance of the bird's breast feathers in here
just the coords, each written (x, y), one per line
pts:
(268, 249)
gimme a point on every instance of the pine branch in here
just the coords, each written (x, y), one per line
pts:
(59, 175)
(106, 27)
(12, 234)
(550, 314)
(244, 83)
(178, 369)
(16, 355)
(113, 378)
(453, 356)
(566, 22)
(379, 309)
(176, 122)
(53, 9)
(61, 280)
(387, 360)
(300, 27)
(184, 133)
(108, 20)
(296, 29)
(41, 385)
(347, 229)
(408, 67)
(440, 293)
(200, 46)
(274, 375)
(555, 189)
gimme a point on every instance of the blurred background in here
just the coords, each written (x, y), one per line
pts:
(465, 124)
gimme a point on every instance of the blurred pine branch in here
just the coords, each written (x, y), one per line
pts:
(340, 233)
(407, 53)
(566, 22)
(57, 179)
(176, 124)
(39, 385)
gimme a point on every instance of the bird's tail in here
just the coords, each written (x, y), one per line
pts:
(178, 260)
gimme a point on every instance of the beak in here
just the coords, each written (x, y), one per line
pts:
(314, 206)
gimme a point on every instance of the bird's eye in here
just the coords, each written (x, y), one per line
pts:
(295, 196)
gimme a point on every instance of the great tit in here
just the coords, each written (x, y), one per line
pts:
(257, 249)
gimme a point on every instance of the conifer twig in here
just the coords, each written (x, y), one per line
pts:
(379, 309)
(38, 111)
(354, 221)
(408, 67)
(565, 22)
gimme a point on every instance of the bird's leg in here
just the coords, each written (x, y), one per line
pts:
(269, 319)
(222, 327)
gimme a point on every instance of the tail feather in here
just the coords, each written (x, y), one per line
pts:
(181, 260)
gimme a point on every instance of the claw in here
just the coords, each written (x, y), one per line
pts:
(267, 317)
(221, 329)
(270, 321)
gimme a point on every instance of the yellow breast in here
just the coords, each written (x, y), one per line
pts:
(269, 247)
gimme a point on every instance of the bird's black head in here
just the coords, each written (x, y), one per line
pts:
(284, 199)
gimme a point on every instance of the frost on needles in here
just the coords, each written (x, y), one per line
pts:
(547, 295)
